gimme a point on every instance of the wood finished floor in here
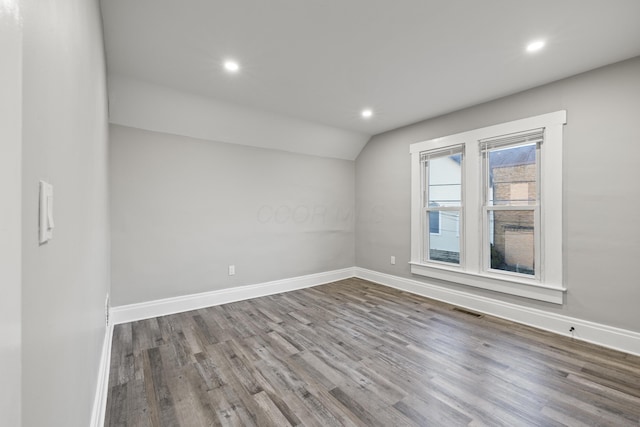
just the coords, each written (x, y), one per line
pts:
(360, 354)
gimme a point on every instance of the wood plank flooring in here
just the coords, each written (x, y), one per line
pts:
(354, 353)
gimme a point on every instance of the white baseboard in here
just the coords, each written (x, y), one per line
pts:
(146, 310)
(606, 336)
(102, 388)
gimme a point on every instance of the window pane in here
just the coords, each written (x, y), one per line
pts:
(445, 245)
(511, 235)
(434, 222)
(513, 175)
(445, 180)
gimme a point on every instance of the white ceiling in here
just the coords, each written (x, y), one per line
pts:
(323, 61)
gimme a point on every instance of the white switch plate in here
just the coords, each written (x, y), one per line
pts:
(46, 212)
(393, 260)
(232, 270)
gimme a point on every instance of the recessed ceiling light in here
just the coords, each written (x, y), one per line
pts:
(231, 66)
(535, 46)
(366, 113)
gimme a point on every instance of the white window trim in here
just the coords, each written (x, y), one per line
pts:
(549, 286)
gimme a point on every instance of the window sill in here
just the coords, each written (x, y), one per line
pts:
(508, 285)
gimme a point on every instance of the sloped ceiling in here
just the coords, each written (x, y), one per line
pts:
(313, 65)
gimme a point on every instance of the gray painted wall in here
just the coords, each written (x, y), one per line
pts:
(65, 143)
(144, 105)
(601, 190)
(184, 209)
(10, 219)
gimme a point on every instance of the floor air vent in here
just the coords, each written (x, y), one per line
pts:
(465, 311)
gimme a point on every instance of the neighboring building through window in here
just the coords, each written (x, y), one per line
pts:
(479, 202)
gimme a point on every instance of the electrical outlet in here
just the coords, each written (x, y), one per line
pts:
(393, 260)
(232, 270)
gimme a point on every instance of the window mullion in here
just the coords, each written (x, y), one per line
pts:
(511, 207)
(442, 208)
(472, 216)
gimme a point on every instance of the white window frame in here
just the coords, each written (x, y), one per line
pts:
(548, 284)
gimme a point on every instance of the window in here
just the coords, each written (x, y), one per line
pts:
(487, 208)
(511, 203)
(442, 204)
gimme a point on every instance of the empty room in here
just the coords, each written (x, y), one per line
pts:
(319, 213)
